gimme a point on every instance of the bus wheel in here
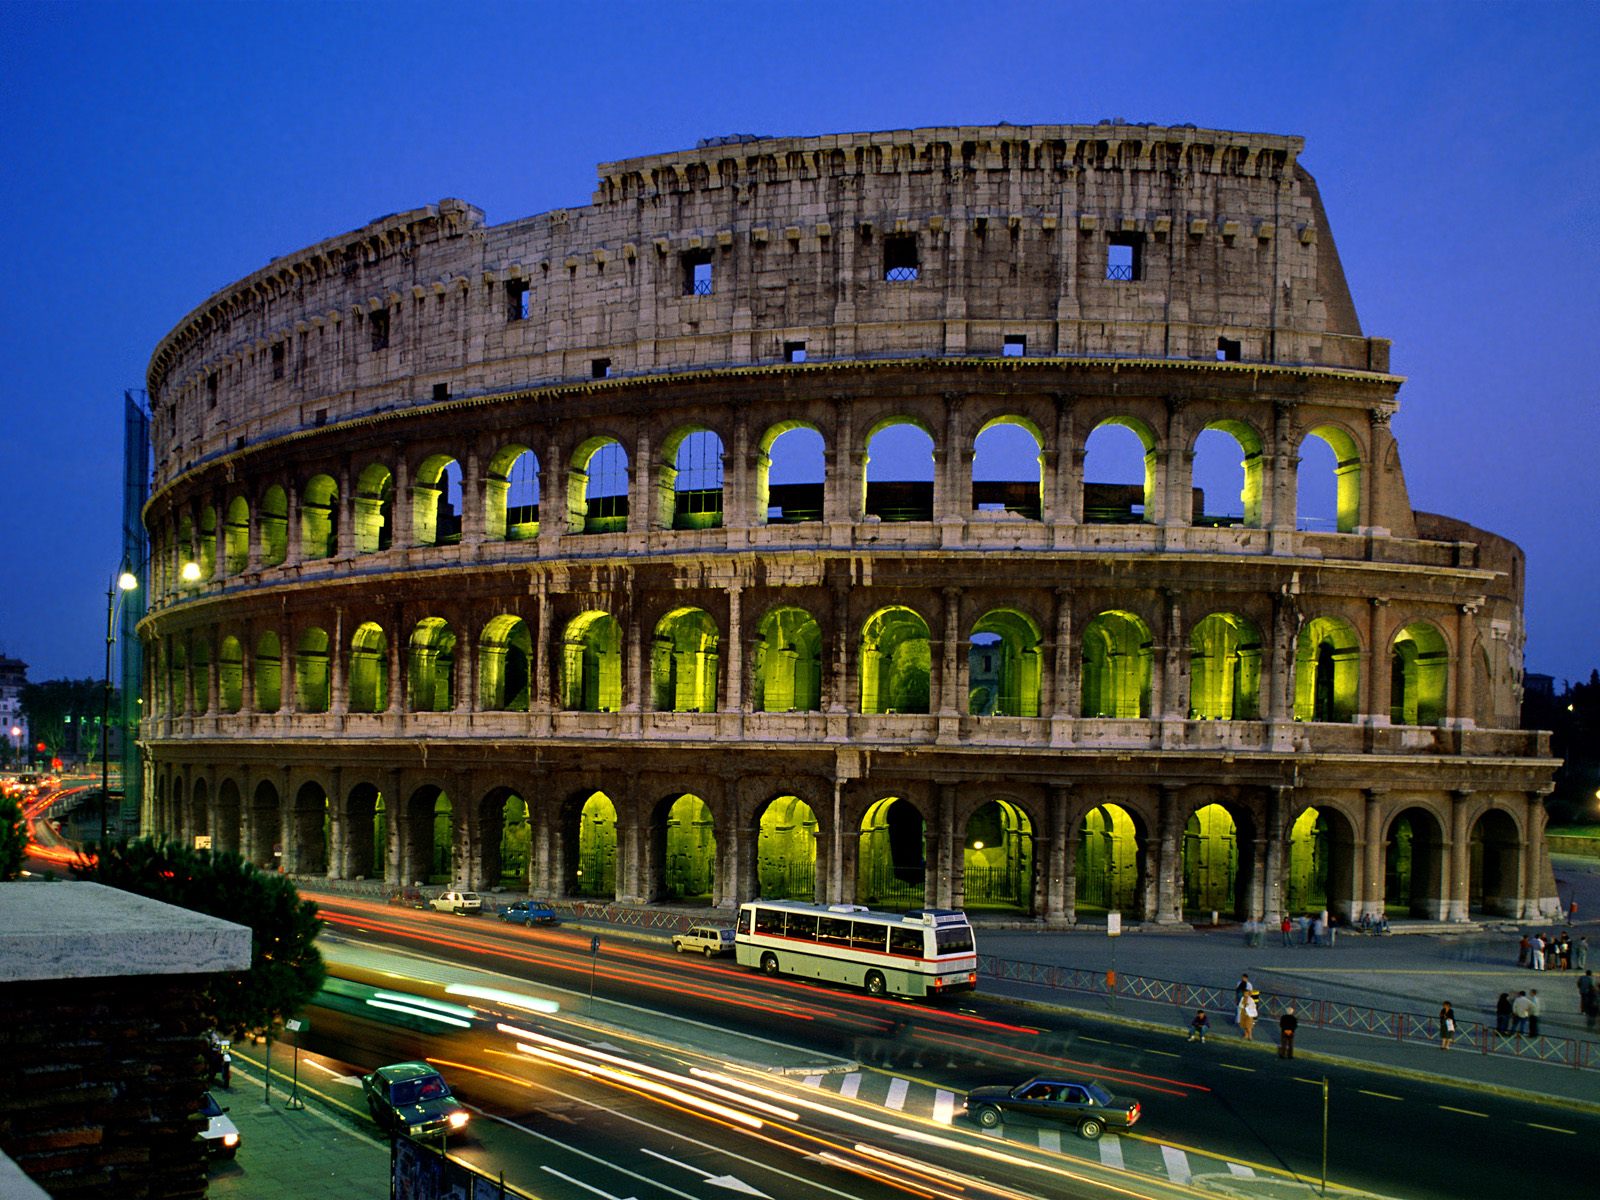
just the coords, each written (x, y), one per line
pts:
(875, 984)
(769, 964)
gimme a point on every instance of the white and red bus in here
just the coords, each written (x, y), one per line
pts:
(926, 952)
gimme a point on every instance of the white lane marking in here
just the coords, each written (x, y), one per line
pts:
(1177, 1163)
(732, 1182)
(1110, 1152)
(896, 1098)
(580, 1183)
(944, 1106)
(850, 1085)
(1242, 1171)
(311, 1062)
(813, 1081)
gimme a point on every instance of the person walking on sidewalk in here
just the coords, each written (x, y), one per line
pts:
(1590, 998)
(1247, 1016)
(1197, 1027)
(1286, 927)
(1533, 1012)
(1502, 1014)
(1525, 952)
(1447, 1026)
(1585, 987)
(1519, 1013)
(1240, 991)
(1580, 953)
(1538, 952)
(1286, 1027)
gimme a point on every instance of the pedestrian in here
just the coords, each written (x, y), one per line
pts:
(1287, 929)
(1572, 912)
(1197, 1027)
(1240, 991)
(1327, 929)
(1566, 951)
(1538, 952)
(1247, 1016)
(1286, 1027)
(1585, 986)
(1525, 952)
(1324, 929)
(1581, 953)
(1533, 1012)
(1502, 1014)
(1447, 1026)
(1519, 1013)
(1591, 1001)
(1316, 931)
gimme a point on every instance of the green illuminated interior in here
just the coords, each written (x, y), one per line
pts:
(505, 657)
(891, 867)
(1327, 666)
(319, 518)
(515, 839)
(1225, 669)
(1347, 474)
(788, 662)
(689, 871)
(368, 683)
(683, 662)
(1003, 666)
(595, 869)
(1210, 861)
(200, 674)
(1116, 666)
(434, 519)
(512, 513)
(268, 673)
(431, 677)
(1419, 669)
(1305, 881)
(236, 536)
(895, 663)
(208, 542)
(597, 487)
(230, 675)
(786, 850)
(273, 522)
(997, 857)
(444, 834)
(374, 509)
(591, 664)
(311, 672)
(1107, 861)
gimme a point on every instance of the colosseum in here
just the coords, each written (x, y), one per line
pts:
(741, 533)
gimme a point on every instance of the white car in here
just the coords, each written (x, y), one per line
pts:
(460, 903)
(710, 940)
(220, 1135)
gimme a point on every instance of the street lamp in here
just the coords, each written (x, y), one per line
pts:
(123, 581)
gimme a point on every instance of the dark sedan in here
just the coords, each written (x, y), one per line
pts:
(412, 1098)
(1064, 1101)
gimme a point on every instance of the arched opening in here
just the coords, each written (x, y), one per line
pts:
(1419, 671)
(380, 839)
(200, 674)
(507, 836)
(369, 669)
(1305, 881)
(1494, 882)
(787, 672)
(688, 840)
(436, 502)
(895, 662)
(1413, 866)
(683, 662)
(309, 831)
(505, 661)
(1116, 666)
(1120, 459)
(427, 837)
(268, 673)
(597, 488)
(791, 470)
(374, 509)
(1003, 666)
(1229, 476)
(786, 850)
(892, 863)
(689, 481)
(1327, 671)
(226, 836)
(997, 858)
(366, 844)
(319, 518)
(899, 472)
(236, 536)
(1110, 862)
(311, 672)
(272, 517)
(433, 660)
(198, 825)
(208, 542)
(230, 675)
(1329, 481)
(592, 866)
(1225, 669)
(1008, 468)
(591, 664)
(511, 496)
(266, 846)
(1214, 877)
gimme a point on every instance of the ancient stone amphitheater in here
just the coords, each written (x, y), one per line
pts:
(739, 533)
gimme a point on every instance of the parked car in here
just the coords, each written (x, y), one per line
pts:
(412, 1098)
(220, 1135)
(1046, 1098)
(710, 940)
(527, 912)
(460, 903)
(408, 898)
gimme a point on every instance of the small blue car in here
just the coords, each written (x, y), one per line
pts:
(527, 912)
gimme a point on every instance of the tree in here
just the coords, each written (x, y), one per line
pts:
(64, 714)
(13, 837)
(285, 966)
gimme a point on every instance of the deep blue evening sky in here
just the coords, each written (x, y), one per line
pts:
(153, 153)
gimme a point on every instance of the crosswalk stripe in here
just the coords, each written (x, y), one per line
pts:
(813, 1080)
(944, 1106)
(1111, 1152)
(897, 1093)
(1242, 1171)
(850, 1085)
(1177, 1164)
(1050, 1139)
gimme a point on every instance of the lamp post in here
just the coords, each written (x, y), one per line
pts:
(124, 581)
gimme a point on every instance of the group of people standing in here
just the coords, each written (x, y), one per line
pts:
(1517, 1014)
(1553, 952)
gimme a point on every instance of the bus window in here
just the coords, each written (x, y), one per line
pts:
(769, 921)
(954, 941)
(867, 935)
(802, 927)
(833, 930)
(905, 940)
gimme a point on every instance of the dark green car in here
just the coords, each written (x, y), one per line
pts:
(1088, 1106)
(412, 1098)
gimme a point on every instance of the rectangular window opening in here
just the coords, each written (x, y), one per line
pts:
(1016, 346)
(378, 322)
(1125, 257)
(1227, 350)
(212, 385)
(697, 280)
(278, 357)
(794, 352)
(599, 368)
(321, 418)
(441, 391)
(517, 300)
(900, 262)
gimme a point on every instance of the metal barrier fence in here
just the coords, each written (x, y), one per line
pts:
(1414, 1028)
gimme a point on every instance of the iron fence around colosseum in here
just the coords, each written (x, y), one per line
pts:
(1407, 1028)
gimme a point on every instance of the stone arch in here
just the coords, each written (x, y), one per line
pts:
(505, 839)
(208, 542)
(1218, 868)
(1004, 666)
(597, 487)
(374, 509)
(197, 823)
(1346, 476)
(1112, 861)
(1117, 660)
(689, 480)
(1225, 669)
(684, 662)
(365, 845)
(1002, 482)
(901, 487)
(272, 522)
(511, 495)
(1119, 503)
(200, 671)
(896, 664)
(1321, 866)
(683, 840)
(590, 847)
(425, 855)
(505, 665)
(230, 675)
(311, 676)
(307, 851)
(1414, 865)
(1327, 671)
(1494, 879)
(591, 663)
(368, 683)
(998, 869)
(787, 662)
(891, 861)
(319, 518)
(236, 537)
(178, 810)
(266, 818)
(431, 677)
(1419, 672)
(786, 850)
(436, 503)
(1214, 451)
(790, 480)
(226, 834)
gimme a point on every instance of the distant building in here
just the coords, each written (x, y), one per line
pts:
(13, 725)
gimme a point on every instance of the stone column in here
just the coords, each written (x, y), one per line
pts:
(1170, 699)
(546, 649)
(401, 537)
(1280, 800)
(1068, 695)
(247, 670)
(338, 833)
(1374, 898)
(949, 664)
(838, 700)
(1377, 712)
(1177, 468)
(733, 688)
(473, 495)
(634, 689)
(1061, 866)
(944, 852)
(292, 551)
(1282, 489)
(1458, 899)
(338, 692)
(1464, 702)
(1169, 860)
(399, 647)
(344, 515)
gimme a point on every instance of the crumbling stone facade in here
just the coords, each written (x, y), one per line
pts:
(508, 569)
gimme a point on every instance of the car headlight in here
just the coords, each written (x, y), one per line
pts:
(457, 1120)
(230, 1139)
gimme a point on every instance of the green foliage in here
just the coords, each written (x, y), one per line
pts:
(13, 837)
(50, 703)
(286, 968)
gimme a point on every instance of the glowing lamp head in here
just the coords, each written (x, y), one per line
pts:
(191, 572)
(127, 581)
